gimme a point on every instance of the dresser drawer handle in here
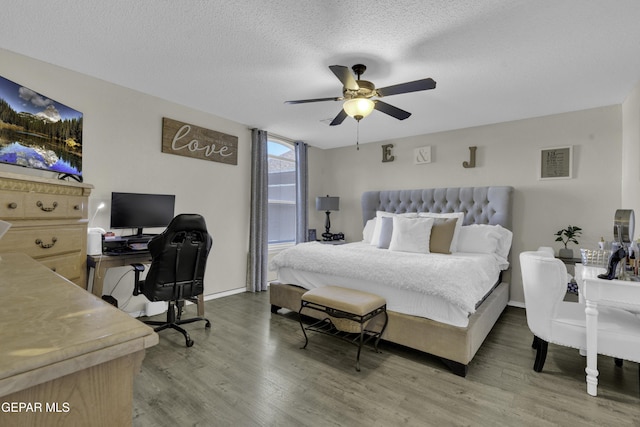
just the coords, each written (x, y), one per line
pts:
(45, 245)
(77, 207)
(43, 208)
(12, 205)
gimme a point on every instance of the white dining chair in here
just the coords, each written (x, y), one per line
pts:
(553, 320)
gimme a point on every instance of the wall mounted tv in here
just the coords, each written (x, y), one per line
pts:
(39, 133)
(139, 211)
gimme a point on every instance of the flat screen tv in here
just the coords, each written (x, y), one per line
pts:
(38, 132)
(139, 211)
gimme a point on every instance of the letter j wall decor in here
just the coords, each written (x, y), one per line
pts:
(189, 140)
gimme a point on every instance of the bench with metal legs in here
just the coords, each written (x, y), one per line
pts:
(348, 313)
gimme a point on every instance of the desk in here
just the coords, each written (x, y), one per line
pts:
(586, 272)
(65, 350)
(101, 263)
(596, 292)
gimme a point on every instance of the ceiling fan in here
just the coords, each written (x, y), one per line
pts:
(357, 95)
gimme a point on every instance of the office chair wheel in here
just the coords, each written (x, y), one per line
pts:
(189, 343)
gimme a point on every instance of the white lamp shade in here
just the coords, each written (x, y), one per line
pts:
(358, 108)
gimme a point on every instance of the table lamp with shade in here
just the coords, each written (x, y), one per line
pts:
(327, 204)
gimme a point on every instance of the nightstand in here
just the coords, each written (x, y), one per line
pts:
(333, 242)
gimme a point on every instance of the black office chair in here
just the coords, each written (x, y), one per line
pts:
(178, 261)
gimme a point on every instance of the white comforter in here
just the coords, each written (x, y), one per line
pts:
(462, 279)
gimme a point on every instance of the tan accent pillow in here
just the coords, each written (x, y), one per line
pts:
(441, 236)
(459, 215)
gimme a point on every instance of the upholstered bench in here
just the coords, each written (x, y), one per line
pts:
(348, 313)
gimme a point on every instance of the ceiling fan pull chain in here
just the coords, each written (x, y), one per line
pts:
(358, 135)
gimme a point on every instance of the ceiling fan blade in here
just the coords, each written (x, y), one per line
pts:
(414, 86)
(344, 75)
(391, 110)
(304, 101)
(339, 118)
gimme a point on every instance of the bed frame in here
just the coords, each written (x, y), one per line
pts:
(456, 346)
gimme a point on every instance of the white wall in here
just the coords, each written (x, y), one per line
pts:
(507, 154)
(631, 152)
(122, 152)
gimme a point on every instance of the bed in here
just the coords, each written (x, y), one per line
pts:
(450, 323)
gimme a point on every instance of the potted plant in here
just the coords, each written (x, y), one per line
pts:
(566, 236)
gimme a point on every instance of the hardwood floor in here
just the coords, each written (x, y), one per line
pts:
(249, 370)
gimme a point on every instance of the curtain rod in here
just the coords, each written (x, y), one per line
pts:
(284, 138)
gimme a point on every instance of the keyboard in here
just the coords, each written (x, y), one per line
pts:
(138, 246)
(123, 250)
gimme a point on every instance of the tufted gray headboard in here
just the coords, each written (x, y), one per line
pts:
(481, 205)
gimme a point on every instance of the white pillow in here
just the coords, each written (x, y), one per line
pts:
(506, 238)
(411, 234)
(367, 231)
(485, 239)
(375, 239)
(456, 233)
(386, 231)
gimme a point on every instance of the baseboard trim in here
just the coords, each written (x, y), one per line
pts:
(224, 294)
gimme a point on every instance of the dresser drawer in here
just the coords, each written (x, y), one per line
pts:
(44, 206)
(39, 242)
(77, 207)
(11, 205)
(68, 266)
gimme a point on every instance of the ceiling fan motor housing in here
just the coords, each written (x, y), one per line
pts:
(366, 90)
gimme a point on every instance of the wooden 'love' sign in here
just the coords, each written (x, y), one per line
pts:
(189, 140)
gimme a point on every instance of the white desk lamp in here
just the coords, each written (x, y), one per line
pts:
(100, 206)
(94, 235)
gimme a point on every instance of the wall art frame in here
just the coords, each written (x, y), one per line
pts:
(185, 139)
(556, 163)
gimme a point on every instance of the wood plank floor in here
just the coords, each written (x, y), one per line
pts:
(249, 370)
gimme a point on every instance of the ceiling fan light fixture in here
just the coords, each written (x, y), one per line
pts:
(358, 108)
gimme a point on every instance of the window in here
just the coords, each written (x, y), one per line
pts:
(282, 192)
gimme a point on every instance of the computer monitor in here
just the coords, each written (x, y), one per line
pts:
(139, 211)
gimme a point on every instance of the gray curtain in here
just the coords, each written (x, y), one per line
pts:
(258, 227)
(302, 201)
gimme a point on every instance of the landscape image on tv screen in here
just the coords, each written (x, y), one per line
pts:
(38, 132)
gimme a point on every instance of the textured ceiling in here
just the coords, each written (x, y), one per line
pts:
(493, 61)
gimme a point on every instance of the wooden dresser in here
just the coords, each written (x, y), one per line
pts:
(49, 222)
(66, 353)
